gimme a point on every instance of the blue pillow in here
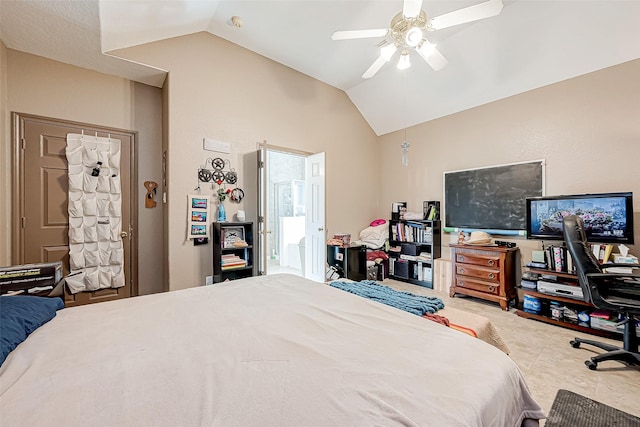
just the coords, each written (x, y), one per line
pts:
(21, 315)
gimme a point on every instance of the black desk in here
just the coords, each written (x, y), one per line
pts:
(349, 260)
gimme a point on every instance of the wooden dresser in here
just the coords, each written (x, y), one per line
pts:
(487, 272)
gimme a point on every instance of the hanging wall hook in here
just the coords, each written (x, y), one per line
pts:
(149, 201)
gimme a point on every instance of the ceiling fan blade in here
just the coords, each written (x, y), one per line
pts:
(411, 8)
(472, 13)
(374, 68)
(358, 34)
(437, 61)
(432, 56)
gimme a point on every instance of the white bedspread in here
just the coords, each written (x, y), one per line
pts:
(265, 351)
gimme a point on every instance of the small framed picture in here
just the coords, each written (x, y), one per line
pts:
(199, 203)
(199, 216)
(198, 230)
(232, 234)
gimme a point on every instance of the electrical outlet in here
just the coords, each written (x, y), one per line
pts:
(208, 280)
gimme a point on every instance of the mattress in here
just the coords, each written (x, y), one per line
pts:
(270, 351)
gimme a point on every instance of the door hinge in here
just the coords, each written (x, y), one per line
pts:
(23, 144)
(23, 222)
(260, 164)
(260, 219)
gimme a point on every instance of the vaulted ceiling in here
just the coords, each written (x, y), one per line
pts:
(531, 43)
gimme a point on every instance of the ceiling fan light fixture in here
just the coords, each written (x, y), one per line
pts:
(408, 31)
(404, 61)
(413, 36)
(387, 51)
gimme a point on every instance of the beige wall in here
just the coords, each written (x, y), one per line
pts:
(222, 91)
(587, 129)
(5, 159)
(147, 121)
(42, 87)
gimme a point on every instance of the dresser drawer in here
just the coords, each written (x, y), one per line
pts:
(478, 285)
(482, 273)
(487, 260)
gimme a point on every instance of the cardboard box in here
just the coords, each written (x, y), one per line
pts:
(34, 279)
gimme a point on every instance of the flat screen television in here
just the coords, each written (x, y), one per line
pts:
(608, 217)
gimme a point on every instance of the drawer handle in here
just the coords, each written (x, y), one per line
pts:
(461, 271)
(492, 276)
(492, 288)
(461, 282)
(491, 262)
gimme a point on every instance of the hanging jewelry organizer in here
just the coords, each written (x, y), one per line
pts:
(214, 171)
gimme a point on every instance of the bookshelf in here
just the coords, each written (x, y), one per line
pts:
(559, 260)
(350, 261)
(233, 252)
(413, 245)
(575, 304)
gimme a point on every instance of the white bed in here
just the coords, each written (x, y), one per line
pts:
(265, 351)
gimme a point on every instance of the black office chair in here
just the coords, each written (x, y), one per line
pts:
(619, 293)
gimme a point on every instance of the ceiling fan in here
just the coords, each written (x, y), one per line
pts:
(408, 32)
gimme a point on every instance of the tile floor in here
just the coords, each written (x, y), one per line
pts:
(545, 357)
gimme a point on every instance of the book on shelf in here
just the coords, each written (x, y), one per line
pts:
(558, 260)
(602, 252)
(431, 210)
(412, 232)
(232, 261)
(607, 253)
(424, 256)
(618, 270)
(237, 264)
(535, 264)
(231, 267)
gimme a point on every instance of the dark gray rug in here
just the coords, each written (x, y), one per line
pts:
(572, 410)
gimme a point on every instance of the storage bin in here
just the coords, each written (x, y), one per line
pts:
(531, 304)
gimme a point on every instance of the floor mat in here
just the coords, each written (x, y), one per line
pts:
(572, 410)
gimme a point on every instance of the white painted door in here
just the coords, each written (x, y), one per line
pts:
(263, 193)
(315, 241)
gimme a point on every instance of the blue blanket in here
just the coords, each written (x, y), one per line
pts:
(416, 304)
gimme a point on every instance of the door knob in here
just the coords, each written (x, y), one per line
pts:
(123, 234)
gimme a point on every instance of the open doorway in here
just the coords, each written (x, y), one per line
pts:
(286, 213)
(289, 210)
